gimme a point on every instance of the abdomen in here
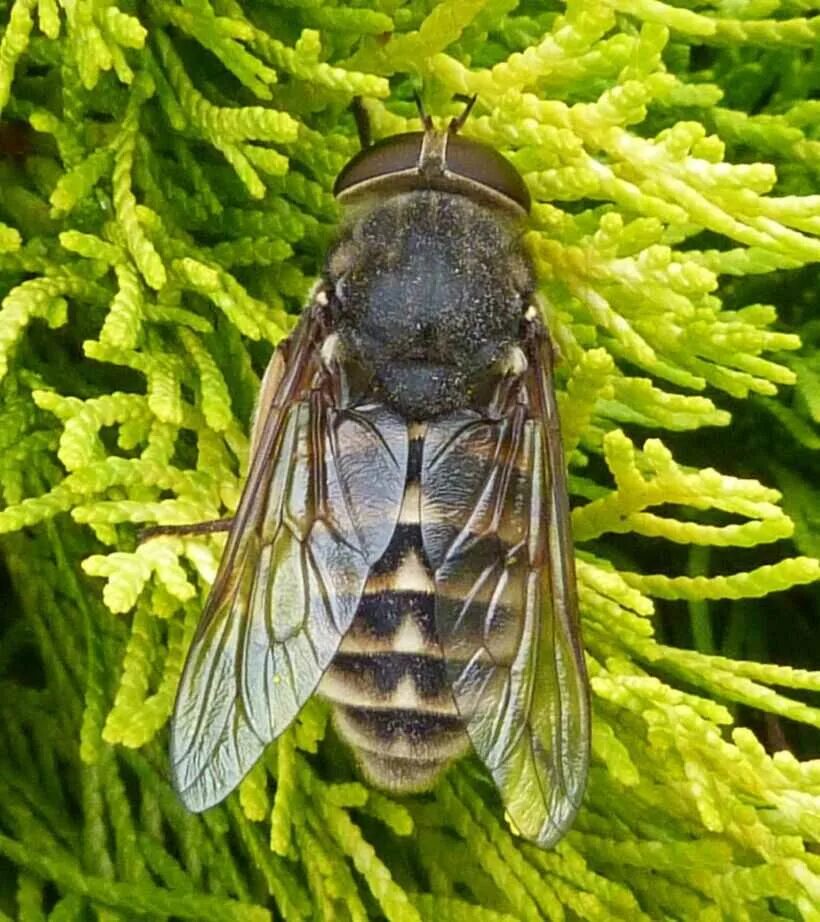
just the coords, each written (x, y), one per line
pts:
(391, 699)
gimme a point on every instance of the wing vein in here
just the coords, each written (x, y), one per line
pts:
(523, 695)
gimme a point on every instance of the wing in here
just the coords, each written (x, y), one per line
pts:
(319, 507)
(495, 526)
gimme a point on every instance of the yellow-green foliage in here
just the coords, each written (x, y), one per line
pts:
(164, 205)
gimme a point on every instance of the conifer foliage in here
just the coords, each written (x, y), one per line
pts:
(165, 175)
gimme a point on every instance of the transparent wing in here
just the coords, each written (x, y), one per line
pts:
(495, 526)
(319, 508)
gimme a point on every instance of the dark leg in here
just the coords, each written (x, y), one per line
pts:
(196, 528)
(362, 122)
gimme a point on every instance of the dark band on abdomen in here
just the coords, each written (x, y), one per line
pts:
(388, 683)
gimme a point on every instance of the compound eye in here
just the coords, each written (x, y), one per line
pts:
(433, 160)
(484, 166)
(397, 154)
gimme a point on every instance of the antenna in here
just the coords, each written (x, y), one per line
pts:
(427, 120)
(456, 124)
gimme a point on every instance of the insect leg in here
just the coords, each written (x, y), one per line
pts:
(195, 528)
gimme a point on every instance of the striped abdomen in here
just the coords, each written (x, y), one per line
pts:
(392, 702)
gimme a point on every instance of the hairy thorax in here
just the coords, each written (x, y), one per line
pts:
(430, 290)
